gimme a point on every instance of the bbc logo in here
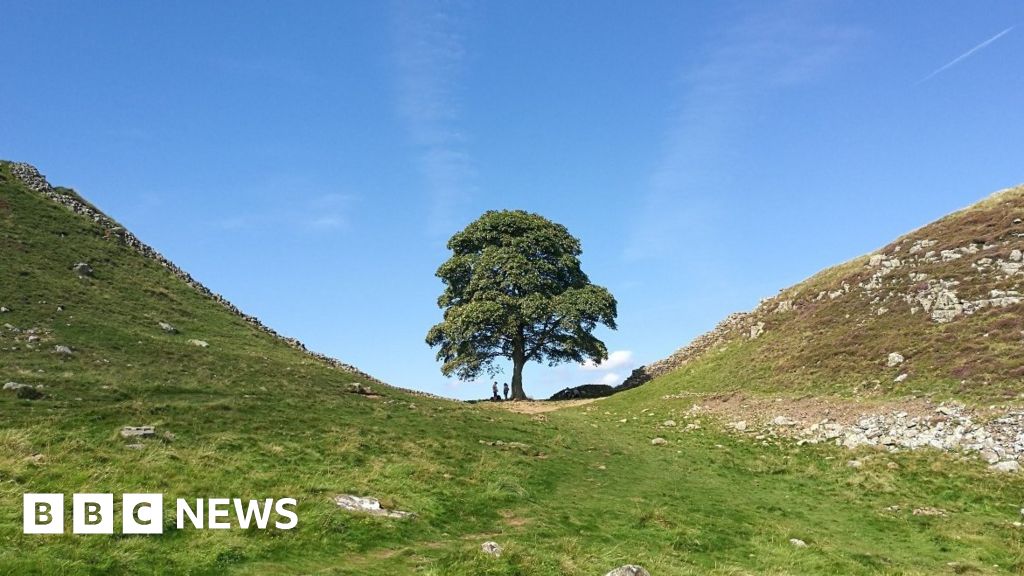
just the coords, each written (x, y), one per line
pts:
(93, 514)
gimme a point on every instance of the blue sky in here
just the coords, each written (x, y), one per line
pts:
(310, 161)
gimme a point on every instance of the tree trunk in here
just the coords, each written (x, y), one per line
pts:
(518, 361)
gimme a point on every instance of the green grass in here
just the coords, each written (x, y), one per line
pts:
(253, 418)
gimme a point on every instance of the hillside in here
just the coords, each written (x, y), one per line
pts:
(946, 302)
(98, 333)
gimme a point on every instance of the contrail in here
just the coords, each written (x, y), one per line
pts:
(965, 55)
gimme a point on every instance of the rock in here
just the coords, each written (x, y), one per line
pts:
(200, 343)
(1007, 466)
(28, 393)
(1016, 256)
(669, 423)
(854, 463)
(137, 431)
(357, 388)
(895, 359)
(4, 309)
(15, 386)
(134, 446)
(82, 269)
(659, 441)
(929, 511)
(783, 421)
(629, 570)
(367, 505)
(739, 426)
(798, 543)
(756, 330)
(62, 350)
(166, 327)
(491, 548)
(989, 455)
(900, 378)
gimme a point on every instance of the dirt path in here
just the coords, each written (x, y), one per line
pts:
(536, 406)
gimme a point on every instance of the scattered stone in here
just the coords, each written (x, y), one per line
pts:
(25, 392)
(854, 463)
(82, 269)
(659, 441)
(756, 330)
(669, 423)
(137, 431)
(900, 378)
(357, 388)
(200, 343)
(4, 309)
(166, 327)
(895, 359)
(15, 386)
(367, 505)
(62, 350)
(134, 446)
(491, 548)
(783, 421)
(629, 570)
(989, 455)
(798, 543)
(1007, 466)
(739, 426)
(929, 511)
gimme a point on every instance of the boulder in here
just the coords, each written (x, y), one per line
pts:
(491, 548)
(584, 391)
(1006, 466)
(895, 359)
(629, 570)
(82, 269)
(367, 505)
(137, 431)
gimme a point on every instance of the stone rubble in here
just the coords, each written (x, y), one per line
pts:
(951, 427)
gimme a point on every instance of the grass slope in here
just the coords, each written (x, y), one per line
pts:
(252, 418)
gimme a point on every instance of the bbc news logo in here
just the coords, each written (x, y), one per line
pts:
(144, 513)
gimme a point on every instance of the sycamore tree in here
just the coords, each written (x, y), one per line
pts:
(514, 289)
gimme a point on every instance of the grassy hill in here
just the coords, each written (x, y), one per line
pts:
(575, 492)
(948, 298)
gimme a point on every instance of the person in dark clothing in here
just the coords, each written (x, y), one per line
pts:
(506, 390)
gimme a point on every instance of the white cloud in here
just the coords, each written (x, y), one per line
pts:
(766, 52)
(616, 359)
(611, 379)
(430, 62)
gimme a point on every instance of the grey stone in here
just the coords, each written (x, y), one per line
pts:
(166, 327)
(367, 505)
(739, 426)
(137, 431)
(798, 543)
(82, 269)
(200, 343)
(4, 309)
(629, 570)
(62, 350)
(491, 548)
(659, 441)
(669, 423)
(895, 359)
(1006, 466)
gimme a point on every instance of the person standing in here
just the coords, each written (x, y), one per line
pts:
(494, 391)
(506, 390)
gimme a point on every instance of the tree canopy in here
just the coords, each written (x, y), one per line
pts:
(514, 288)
